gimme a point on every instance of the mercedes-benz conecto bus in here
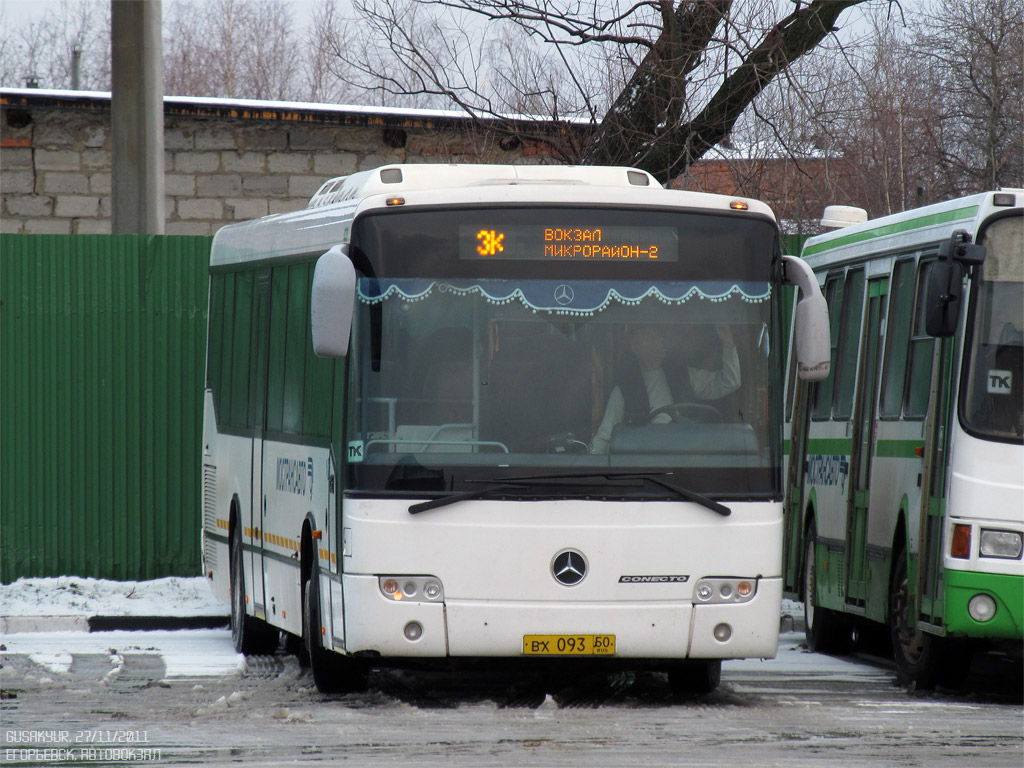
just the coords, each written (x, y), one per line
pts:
(483, 412)
(906, 465)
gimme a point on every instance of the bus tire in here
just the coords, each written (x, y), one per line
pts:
(826, 630)
(696, 677)
(917, 653)
(332, 673)
(249, 635)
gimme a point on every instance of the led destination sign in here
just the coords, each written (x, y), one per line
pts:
(567, 242)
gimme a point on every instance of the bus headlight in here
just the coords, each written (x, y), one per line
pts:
(1005, 544)
(421, 589)
(717, 591)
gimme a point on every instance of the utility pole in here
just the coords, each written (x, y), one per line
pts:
(137, 117)
(76, 66)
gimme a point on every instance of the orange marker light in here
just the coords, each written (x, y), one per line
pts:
(396, 201)
(961, 547)
(738, 205)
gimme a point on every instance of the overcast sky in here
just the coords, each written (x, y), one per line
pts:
(18, 12)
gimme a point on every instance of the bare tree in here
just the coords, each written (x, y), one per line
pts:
(974, 52)
(42, 50)
(691, 68)
(232, 48)
(927, 107)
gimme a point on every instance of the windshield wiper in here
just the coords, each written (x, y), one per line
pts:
(454, 498)
(556, 480)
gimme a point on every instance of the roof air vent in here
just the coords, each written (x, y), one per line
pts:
(839, 216)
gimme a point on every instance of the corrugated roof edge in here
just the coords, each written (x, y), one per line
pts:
(257, 105)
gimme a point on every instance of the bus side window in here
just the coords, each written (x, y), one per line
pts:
(921, 349)
(318, 380)
(849, 343)
(237, 382)
(215, 353)
(901, 312)
(834, 288)
(278, 344)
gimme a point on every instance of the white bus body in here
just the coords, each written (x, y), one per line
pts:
(529, 545)
(914, 439)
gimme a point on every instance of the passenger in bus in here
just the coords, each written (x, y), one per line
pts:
(646, 381)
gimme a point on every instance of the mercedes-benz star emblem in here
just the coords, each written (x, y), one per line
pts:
(569, 567)
(564, 294)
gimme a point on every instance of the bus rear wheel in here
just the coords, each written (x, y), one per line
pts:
(826, 631)
(332, 673)
(249, 635)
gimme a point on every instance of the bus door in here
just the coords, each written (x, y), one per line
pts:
(796, 474)
(258, 405)
(863, 440)
(933, 483)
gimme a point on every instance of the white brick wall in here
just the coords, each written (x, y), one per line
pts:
(55, 170)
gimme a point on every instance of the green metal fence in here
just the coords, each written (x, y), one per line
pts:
(102, 349)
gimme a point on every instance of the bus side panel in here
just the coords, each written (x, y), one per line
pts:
(296, 487)
(895, 484)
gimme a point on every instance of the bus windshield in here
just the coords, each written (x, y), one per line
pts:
(994, 402)
(495, 343)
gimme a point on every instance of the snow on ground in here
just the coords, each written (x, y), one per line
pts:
(75, 596)
(185, 653)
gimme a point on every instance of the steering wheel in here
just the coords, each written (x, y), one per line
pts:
(699, 412)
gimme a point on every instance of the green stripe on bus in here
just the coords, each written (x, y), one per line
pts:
(837, 446)
(893, 229)
(898, 449)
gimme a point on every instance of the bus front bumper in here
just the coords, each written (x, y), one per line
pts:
(376, 625)
(1006, 591)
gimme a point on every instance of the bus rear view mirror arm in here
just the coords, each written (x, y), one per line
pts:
(945, 286)
(333, 302)
(811, 335)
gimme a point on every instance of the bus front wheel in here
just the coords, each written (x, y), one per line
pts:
(696, 677)
(826, 631)
(332, 673)
(915, 651)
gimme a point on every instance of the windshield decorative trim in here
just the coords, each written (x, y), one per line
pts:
(578, 298)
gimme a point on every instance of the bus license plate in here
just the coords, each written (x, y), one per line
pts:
(569, 645)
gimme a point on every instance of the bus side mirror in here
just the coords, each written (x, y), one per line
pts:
(944, 291)
(811, 334)
(333, 302)
(942, 298)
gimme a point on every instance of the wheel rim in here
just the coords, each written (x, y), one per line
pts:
(237, 596)
(809, 585)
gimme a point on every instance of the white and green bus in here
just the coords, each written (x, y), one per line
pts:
(905, 476)
(429, 434)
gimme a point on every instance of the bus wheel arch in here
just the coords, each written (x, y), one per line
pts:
(826, 630)
(332, 672)
(915, 652)
(249, 635)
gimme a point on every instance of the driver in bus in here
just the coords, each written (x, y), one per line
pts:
(646, 382)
